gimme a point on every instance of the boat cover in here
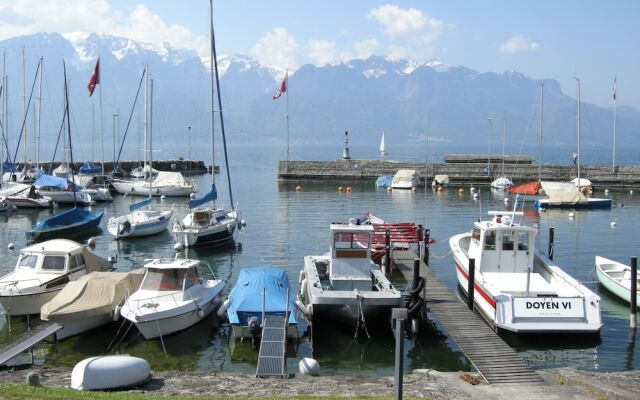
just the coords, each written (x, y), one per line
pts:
(92, 295)
(383, 181)
(89, 168)
(139, 204)
(54, 181)
(165, 178)
(74, 217)
(211, 196)
(529, 188)
(246, 295)
(563, 193)
(405, 174)
(7, 166)
(441, 179)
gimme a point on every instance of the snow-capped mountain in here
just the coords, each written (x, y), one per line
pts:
(364, 97)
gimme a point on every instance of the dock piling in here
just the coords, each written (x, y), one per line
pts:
(634, 293)
(552, 232)
(471, 282)
(399, 315)
(387, 251)
(427, 240)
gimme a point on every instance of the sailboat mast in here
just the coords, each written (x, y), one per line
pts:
(24, 108)
(578, 124)
(150, 122)
(39, 116)
(101, 125)
(286, 79)
(213, 153)
(504, 138)
(66, 101)
(541, 110)
(146, 125)
(613, 162)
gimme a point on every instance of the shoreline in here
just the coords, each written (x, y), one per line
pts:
(561, 384)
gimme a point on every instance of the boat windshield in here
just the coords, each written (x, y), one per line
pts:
(53, 263)
(163, 279)
(351, 240)
(27, 261)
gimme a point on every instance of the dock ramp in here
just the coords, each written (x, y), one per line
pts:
(271, 358)
(27, 340)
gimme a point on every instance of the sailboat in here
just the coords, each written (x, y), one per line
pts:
(383, 150)
(142, 222)
(502, 182)
(570, 194)
(76, 220)
(209, 225)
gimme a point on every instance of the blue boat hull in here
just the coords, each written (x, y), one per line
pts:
(73, 222)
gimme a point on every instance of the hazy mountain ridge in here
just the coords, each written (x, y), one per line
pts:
(364, 97)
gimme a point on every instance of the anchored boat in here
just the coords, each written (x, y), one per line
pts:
(616, 277)
(517, 288)
(345, 283)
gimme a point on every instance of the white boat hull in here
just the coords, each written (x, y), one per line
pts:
(616, 277)
(77, 326)
(110, 372)
(142, 189)
(26, 304)
(64, 197)
(215, 232)
(139, 223)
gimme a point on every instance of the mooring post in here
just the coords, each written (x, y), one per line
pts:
(399, 315)
(471, 282)
(387, 250)
(420, 242)
(427, 240)
(415, 295)
(634, 292)
(552, 232)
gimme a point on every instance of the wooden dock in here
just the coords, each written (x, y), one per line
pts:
(495, 360)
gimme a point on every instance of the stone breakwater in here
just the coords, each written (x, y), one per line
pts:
(560, 384)
(459, 173)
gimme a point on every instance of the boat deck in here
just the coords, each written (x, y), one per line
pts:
(492, 357)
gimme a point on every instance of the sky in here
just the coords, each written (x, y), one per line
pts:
(594, 40)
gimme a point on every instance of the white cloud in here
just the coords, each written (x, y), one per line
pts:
(366, 48)
(322, 51)
(276, 48)
(517, 44)
(24, 17)
(411, 31)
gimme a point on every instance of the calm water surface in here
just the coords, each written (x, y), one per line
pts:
(284, 225)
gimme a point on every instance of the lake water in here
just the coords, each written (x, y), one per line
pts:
(284, 225)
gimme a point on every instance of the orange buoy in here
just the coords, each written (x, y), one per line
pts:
(413, 190)
(440, 189)
(298, 188)
(340, 189)
(389, 189)
(348, 189)
(461, 190)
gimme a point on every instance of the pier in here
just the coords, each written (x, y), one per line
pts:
(495, 360)
(460, 172)
(27, 340)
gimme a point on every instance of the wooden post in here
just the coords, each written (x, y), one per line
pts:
(634, 292)
(551, 245)
(387, 250)
(399, 315)
(427, 239)
(471, 282)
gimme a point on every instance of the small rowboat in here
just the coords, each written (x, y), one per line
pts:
(616, 277)
(110, 372)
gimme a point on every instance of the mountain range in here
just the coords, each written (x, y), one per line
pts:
(405, 99)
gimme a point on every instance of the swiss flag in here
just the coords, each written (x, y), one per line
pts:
(95, 78)
(282, 90)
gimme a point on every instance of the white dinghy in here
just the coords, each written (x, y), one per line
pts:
(518, 288)
(173, 296)
(344, 283)
(91, 301)
(42, 270)
(110, 372)
(616, 277)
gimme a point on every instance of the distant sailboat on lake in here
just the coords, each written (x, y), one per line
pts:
(383, 150)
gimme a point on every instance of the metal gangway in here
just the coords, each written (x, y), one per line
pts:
(28, 339)
(273, 344)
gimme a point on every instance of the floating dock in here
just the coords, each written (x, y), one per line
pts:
(495, 360)
(468, 172)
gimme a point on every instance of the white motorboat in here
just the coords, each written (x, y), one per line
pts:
(96, 192)
(170, 184)
(110, 372)
(501, 183)
(42, 270)
(518, 288)
(405, 179)
(173, 296)
(90, 301)
(344, 283)
(23, 195)
(616, 277)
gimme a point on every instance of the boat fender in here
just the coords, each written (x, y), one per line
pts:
(301, 276)
(303, 309)
(304, 290)
(116, 313)
(223, 308)
(309, 366)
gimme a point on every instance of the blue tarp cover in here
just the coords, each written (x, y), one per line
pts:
(246, 295)
(211, 196)
(139, 204)
(383, 181)
(90, 168)
(54, 181)
(75, 217)
(7, 167)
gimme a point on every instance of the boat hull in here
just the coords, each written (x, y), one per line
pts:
(91, 222)
(605, 271)
(77, 326)
(592, 203)
(110, 372)
(26, 304)
(142, 189)
(151, 226)
(220, 233)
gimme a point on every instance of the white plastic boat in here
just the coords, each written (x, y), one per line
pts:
(172, 297)
(616, 277)
(344, 283)
(23, 195)
(170, 184)
(139, 223)
(501, 183)
(42, 270)
(90, 301)
(405, 179)
(202, 227)
(517, 288)
(110, 372)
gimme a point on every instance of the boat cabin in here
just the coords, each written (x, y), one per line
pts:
(350, 264)
(58, 256)
(170, 275)
(500, 245)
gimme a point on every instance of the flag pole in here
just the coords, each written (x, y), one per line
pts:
(286, 78)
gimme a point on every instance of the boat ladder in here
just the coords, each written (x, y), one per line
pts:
(28, 339)
(271, 358)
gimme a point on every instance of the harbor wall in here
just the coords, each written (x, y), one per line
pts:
(459, 173)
